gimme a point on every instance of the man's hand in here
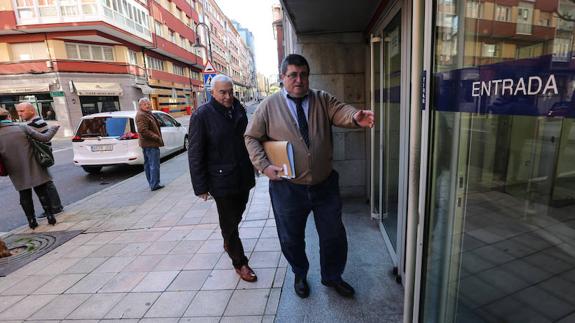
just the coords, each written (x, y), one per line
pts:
(272, 172)
(364, 118)
(204, 196)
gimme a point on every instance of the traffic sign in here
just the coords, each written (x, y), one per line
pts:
(208, 79)
(209, 68)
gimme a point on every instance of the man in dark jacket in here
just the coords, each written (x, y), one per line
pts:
(150, 137)
(28, 114)
(220, 165)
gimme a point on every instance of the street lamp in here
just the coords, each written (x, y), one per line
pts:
(199, 44)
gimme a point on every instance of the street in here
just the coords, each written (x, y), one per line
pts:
(72, 182)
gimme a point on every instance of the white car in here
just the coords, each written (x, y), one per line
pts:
(111, 138)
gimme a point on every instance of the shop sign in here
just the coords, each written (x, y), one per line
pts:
(532, 85)
(539, 86)
(57, 94)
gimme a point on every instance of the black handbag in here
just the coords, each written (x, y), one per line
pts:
(42, 152)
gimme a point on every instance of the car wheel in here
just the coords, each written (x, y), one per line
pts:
(92, 169)
(186, 143)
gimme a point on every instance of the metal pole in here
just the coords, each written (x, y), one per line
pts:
(209, 38)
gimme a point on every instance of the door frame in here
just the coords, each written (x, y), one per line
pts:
(401, 8)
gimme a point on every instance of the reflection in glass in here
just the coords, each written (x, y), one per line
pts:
(391, 122)
(501, 230)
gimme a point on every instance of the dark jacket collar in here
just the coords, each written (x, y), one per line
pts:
(236, 106)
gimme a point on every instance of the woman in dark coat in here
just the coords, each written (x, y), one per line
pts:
(24, 170)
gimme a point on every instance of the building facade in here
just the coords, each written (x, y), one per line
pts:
(229, 52)
(469, 170)
(74, 58)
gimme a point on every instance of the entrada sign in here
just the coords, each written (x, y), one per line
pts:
(534, 85)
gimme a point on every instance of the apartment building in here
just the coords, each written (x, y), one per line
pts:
(230, 53)
(77, 57)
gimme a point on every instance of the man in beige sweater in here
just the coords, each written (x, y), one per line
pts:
(304, 117)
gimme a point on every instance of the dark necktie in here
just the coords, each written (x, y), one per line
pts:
(301, 119)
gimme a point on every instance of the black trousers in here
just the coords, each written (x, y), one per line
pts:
(230, 210)
(26, 199)
(55, 205)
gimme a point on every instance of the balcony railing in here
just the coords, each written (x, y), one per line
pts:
(127, 15)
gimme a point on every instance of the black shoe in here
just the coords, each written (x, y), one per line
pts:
(51, 219)
(301, 287)
(341, 287)
(159, 187)
(32, 223)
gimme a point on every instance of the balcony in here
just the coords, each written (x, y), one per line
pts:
(127, 15)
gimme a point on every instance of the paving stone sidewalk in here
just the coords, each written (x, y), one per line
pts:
(149, 257)
(158, 257)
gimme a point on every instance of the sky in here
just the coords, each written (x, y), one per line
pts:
(256, 15)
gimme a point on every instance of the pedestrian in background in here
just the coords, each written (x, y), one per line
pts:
(150, 139)
(220, 165)
(28, 114)
(304, 117)
(23, 169)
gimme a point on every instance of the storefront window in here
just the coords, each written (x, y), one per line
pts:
(500, 235)
(97, 104)
(43, 102)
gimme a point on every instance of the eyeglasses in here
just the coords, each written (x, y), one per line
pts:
(294, 75)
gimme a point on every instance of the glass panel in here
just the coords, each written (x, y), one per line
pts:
(377, 94)
(500, 230)
(72, 51)
(103, 127)
(391, 126)
(97, 53)
(84, 51)
(108, 53)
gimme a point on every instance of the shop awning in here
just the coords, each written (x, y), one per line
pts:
(146, 89)
(98, 89)
(31, 88)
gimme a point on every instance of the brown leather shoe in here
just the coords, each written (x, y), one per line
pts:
(247, 274)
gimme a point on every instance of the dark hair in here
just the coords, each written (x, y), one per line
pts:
(293, 59)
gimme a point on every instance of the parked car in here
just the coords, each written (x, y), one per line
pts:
(111, 138)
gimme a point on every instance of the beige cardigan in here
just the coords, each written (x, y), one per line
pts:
(273, 121)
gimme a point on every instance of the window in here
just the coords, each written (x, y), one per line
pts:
(545, 19)
(132, 57)
(474, 9)
(155, 63)
(524, 18)
(89, 52)
(29, 51)
(489, 50)
(159, 28)
(89, 7)
(68, 8)
(178, 70)
(25, 8)
(172, 35)
(562, 49)
(502, 13)
(97, 104)
(47, 8)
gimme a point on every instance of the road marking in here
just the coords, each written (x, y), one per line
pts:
(59, 150)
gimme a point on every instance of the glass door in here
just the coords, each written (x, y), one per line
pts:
(499, 237)
(376, 145)
(391, 121)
